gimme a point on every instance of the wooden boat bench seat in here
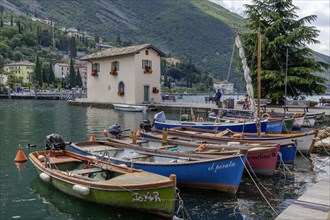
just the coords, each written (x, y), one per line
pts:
(62, 159)
(87, 171)
(140, 156)
(167, 146)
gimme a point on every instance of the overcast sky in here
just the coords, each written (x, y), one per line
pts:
(321, 8)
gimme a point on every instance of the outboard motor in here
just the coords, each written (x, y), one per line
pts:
(146, 125)
(54, 142)
(115, 130)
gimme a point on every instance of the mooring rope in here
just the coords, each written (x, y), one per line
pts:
(323, 146)
(285, 167)
(255, 176)
(306, 158)
(247, 170)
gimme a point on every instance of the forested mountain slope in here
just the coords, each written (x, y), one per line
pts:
(196, 30)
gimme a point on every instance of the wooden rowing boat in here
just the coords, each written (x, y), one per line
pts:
(105, 183)
(222, 173)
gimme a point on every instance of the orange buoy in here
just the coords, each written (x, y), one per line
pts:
(20, 156)
(92, 138)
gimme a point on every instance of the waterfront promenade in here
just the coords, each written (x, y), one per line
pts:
(313, 204)
(203, 109)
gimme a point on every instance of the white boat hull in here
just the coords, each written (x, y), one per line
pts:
(130, 108)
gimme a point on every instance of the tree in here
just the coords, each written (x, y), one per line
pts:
(72, 47)
(45, 74)
(37, 77)
(51, 74)
(72, 75)
(281, 31)
(78, 79)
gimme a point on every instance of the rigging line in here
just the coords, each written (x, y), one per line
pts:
(247, 170)
(231, 61)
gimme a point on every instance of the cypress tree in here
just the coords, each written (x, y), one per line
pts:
(281, 30)
(51, 74)
(72, 75)
(37, 78)
(72, 47)
(78, 79)
(19, 27)
(45, 75)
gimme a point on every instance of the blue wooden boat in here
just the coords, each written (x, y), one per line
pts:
(160, 122)
(287, 152)
(223, 173)
(274, 125)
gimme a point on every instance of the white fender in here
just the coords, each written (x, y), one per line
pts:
(82, 190)
(233, 143)
(45, 177)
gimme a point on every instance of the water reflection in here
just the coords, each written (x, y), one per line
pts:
(99, 119)
(68, 207)
(24, 195)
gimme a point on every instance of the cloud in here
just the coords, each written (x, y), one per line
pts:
(320, 8)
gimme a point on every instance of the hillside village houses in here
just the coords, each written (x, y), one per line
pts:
(129, 75)
(61, 70)
(22, 70)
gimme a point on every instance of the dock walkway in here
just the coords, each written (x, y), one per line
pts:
(201, 109)
(313, 204)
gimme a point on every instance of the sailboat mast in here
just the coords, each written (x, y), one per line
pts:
(259, 86)
(286, 78)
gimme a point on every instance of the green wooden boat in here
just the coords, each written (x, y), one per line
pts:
(287, 125)
(106, 183)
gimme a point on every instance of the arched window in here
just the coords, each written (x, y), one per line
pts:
(121, 88)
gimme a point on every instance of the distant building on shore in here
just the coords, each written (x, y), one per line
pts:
(128, 75)
(61, 70)
(225, 87)
(22, 69)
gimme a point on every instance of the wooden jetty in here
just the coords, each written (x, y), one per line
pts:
(313, 204)
(201, 109)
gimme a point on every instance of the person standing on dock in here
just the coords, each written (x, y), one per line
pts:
(217, 97)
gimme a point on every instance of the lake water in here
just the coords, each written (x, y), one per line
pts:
(24, 196)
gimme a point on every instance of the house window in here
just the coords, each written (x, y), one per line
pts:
(121, 88)
(147, 52)
(146, 63)
(115, 64)
(147, 66)
(96, 66)
(114, 68)
(95, 69)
